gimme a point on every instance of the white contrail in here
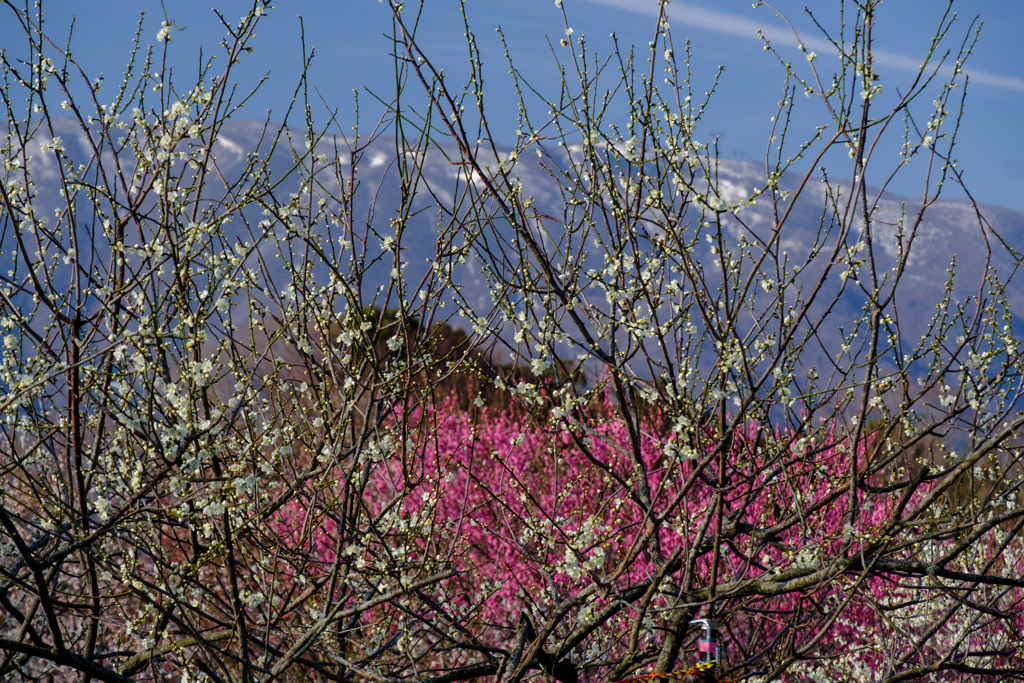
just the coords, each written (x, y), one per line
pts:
(745, 27)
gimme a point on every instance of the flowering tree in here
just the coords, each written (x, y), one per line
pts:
(243, 442)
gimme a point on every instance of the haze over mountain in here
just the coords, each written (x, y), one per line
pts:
(951, 230)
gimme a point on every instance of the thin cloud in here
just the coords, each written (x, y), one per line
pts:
(744, 27)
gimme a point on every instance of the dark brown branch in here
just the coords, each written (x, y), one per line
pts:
(65, 658)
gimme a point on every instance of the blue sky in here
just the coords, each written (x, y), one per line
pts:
(352, 53)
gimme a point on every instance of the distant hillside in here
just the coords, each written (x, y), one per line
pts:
(951, 228)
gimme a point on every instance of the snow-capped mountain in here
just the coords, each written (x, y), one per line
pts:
(951, 231)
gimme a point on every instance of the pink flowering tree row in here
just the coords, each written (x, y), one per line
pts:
(541, 525)
(245, 436)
